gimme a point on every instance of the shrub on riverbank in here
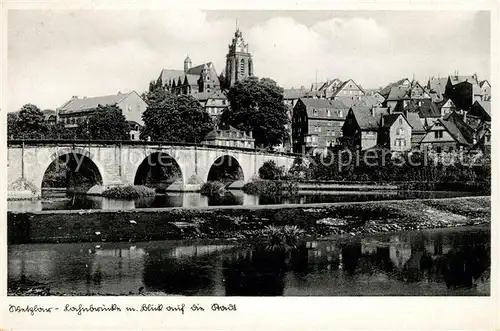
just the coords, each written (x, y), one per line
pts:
(417, 171)
(271, 188)
(128, 192)
(212, 188)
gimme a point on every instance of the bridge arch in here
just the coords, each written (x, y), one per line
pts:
(225, 167)
(75, 163)
(160, 170)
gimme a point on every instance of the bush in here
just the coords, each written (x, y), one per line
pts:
(271, 188)
(128, 192)
(271, 171)
(212, 188)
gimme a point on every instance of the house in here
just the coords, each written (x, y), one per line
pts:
(230, 137)
(214, 103)
(395, 133)
(346, 89)
(417, 129)
(417, 91)
(486, 90)
(448, 134)
(380, 98)
(446, 106)
(50, 116)
(463, 90)
(480, 110)
(437, 88)
(428, 112)
(398, 98)
(317, 123)
(77, 110)
(403, 83)
(360, 129)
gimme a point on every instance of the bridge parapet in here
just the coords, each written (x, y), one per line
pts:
(118, 161)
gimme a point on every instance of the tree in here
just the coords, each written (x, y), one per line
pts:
(257, 106)
(30, 123)
(269, 170)
(156, 93)
(107, 123)
(176, 119)
(12, 126)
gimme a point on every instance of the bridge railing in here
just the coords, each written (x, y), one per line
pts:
(42, 142)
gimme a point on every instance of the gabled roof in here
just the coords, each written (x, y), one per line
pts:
(481, 84)
(388, 120)
(398, 93)
(316, 86)
(454, 131)
(476, 108)
(428, 109)
(415, 122)
(364, 118)
(385, 91)
(87, 104)
(460, 79)
(486, 105)
(341, 87)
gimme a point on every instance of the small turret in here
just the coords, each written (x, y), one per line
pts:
(187, 64)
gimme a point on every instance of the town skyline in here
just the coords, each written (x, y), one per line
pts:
(44, 52)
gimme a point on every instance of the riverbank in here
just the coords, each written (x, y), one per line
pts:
(244, 222)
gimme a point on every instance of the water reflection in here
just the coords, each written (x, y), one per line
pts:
(437, 262)
(60, 201)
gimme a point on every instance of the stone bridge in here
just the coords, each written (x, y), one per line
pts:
(118, 162)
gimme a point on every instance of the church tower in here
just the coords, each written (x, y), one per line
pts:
(239, 63)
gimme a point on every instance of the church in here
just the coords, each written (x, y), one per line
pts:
(202, 82)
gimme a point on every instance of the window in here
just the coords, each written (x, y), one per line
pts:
(72, 121)
(438, 134)
(315, 112)
(132, 136)
(341, 113)
(400, 121)
(129, 108)
(438, 149)
(242, 66)
(328, 113)
(223, 102)
(400, 131)
(208, 85)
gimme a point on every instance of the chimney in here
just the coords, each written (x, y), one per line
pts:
(74, 97)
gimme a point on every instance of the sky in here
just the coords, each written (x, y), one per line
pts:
(53, 55)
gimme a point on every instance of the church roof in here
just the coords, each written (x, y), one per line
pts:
(168, 75)
(197, 70)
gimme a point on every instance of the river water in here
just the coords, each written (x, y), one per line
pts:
(59, 200)
(441, 262)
